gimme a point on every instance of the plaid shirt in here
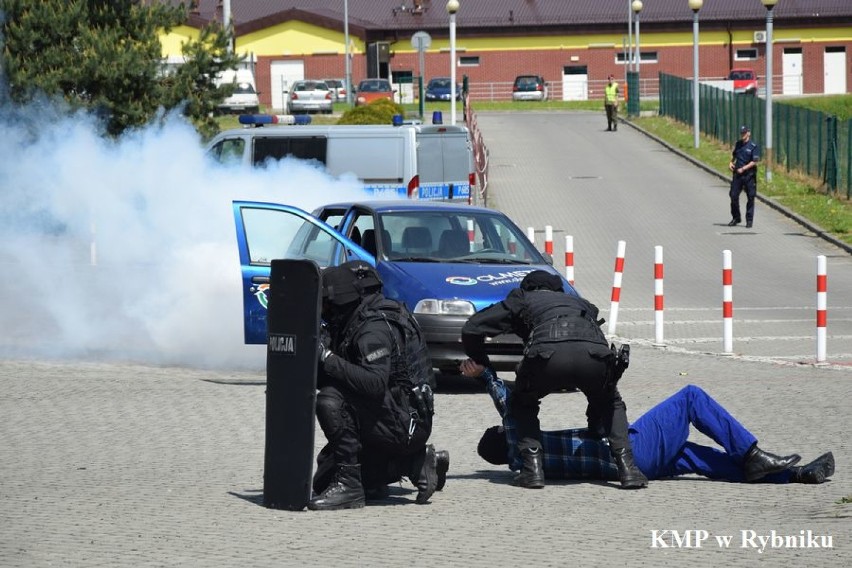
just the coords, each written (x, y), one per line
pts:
(568, 454)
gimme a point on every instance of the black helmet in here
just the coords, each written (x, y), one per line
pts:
(542, 280)
(349, 282)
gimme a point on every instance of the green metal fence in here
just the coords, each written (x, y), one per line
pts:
(808, 141)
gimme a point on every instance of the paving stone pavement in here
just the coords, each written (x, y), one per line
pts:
(123, 465)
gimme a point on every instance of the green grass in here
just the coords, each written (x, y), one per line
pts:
(796, 192)
(837, 105)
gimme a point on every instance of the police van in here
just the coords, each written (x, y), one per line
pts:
(410, 160)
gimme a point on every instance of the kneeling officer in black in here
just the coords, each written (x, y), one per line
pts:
(374, 403)
(564, 348)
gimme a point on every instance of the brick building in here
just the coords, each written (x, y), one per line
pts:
(573, 44)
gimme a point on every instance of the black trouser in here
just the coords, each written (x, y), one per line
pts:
(579, 364)
(748, 183)
(363, 431)
(611, 116)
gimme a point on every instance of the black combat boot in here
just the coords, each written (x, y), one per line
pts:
(815, 472)
(532, 472)
(630, 475)
(758, 464)
(426, 477)
(344, 492)
(443, 458)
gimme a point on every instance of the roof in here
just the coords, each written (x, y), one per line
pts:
(381, 206)
(388, 15)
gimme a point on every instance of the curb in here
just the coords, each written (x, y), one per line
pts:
(808, 224)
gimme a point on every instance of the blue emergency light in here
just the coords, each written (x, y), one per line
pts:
(262, 119)
(437, 117)
(397, 120)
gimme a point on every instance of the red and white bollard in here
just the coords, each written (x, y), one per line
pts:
(512, 244)
(659, 339)
(548, 239)
(616, 287)
(471, 236)
(822, 310)
(531, 235)
(569, 259)
(727, 304)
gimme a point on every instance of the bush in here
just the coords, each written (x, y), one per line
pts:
(381, 111)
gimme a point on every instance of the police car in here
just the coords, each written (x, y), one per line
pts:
(446, 261)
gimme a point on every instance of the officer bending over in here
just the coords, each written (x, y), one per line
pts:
(374, 403)
(564, 348)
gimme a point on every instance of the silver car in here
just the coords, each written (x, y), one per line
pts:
(338, 90)
(310, 96)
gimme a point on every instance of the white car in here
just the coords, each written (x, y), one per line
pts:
(310, 96)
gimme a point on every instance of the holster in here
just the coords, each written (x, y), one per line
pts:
(619, 363)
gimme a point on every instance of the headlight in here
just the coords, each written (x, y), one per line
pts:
(444, 307)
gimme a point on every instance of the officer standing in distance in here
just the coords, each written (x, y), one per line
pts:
(374, 403)
(564, 348)
(743, 165)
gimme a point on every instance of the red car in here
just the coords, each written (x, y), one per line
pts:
(370, 90)
(745, 81)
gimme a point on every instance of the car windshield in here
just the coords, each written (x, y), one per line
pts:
(741, 75)
(454, 236)
(439, 84)
(310, 86)
(334, 84)
(374, 86)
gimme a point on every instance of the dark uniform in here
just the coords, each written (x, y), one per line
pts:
(368, 373)
(564, 348)
(743, 164)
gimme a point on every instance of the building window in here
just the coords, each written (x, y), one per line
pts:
(469, 61)
(645, 57)
(746, 55)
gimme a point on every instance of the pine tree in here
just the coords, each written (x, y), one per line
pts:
(105, 55)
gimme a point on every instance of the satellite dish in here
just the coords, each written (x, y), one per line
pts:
(421, 41)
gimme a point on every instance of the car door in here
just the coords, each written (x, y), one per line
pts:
(267, 231)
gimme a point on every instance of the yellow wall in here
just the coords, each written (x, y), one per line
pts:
(173, 40)
(296, 38)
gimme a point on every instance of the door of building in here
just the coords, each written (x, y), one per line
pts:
(834, 63)
(575, 83)
(282, 74)
(791, 83)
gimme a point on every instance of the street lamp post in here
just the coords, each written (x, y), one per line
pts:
(769, 4)
(637, 7)
(452, 8)
(348, 62)
(695, 6)
(628, 65)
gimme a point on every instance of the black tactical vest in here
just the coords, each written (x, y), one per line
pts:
(552, 317)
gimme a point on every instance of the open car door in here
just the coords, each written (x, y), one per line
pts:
(267, 231)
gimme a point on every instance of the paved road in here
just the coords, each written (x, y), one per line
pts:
(564, 170)
(107, 464)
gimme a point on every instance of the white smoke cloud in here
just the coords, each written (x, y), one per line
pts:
(126, 249)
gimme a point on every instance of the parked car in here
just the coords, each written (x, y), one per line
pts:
(370, 90)
(244, 98)
(529, 88)
(310, 96)
(438, 89)
(338, 89)
(745, 81)
(446, 261)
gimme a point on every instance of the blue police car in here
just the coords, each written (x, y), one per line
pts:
(444, 260)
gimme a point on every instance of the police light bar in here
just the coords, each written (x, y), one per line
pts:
(261, 119)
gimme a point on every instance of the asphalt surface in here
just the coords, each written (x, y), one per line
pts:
(108, 464)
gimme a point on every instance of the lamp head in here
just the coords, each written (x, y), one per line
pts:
(769, 3)
(695, 5)
(452, 6)
(637, 6)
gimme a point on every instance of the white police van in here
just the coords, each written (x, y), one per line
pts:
(409, 160)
